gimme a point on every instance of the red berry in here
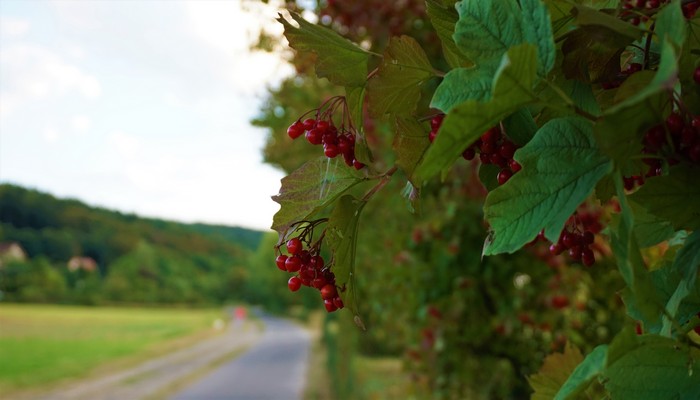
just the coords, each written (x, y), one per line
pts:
(294, 246)
(504, 175)
(588, 237)
(314, 136)
(338, 302)
(295, 130)
(507, 150)
(330, 306)
(436, 121)
(568, 239)
(330, 150)
(294, 283)
(281, 259)
(695, 123)
(514, 166)
(485, 158)
(319, 282)
(357, 165)
(491, 136)
(587, 256)
(309, 124)
(293, 264)
(488, 147)
(575, 253)
(556, 249)
(560, 301)
(323, 125)
(696, 75)
(675, 123)
(432, 135)
(469, 154)
(328, 292)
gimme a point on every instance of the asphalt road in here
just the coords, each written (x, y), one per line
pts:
(272, 369)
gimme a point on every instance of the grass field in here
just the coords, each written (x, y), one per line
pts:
(42, 344)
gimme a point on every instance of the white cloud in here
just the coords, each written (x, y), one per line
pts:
(11, 26)
(126, 145)
(32, 72)
(81, 123)
(51, 135)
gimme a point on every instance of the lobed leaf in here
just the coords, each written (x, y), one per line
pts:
(397, 86)
(410, 144)
(309, 189)
(555, 371)
(584, 373)
(674, 197)
(486, 29)
(560, 168)
(341, 61)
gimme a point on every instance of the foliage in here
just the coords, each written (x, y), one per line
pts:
(139, 260)
(600, 101)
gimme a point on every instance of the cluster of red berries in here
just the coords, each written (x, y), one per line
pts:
(677, 138)
(578, 245)
(321, 130)
(310, 270)
(493, 147)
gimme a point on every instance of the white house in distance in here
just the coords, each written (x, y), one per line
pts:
(11, 251)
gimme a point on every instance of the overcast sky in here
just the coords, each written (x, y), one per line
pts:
(140, 106)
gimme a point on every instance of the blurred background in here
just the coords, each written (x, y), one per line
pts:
(140, 142)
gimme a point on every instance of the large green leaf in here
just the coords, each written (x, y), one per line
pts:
(443, 20)
(469, 120)
(651, 367)
(587, 16)
(338, 59)
(341, 236)
(520, 127)
(674, 197)
(309, 189)
(537, 29)
(396, 88)
(560, 167)
(486, 29)
(410, 143)
(355, 97)
(649, 229)
(592, 53)
(589, 369)
(460, 85)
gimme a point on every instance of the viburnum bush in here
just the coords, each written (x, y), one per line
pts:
(571, 111)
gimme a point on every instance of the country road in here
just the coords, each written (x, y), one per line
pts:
(248, 361)
(274, 369)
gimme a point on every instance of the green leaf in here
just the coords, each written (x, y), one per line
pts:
(670, 24)
(649, 229)
(460, 85)
(468, 121)
(651, 367)
(339, 60)
(410, 143)
(443, 20)
(309, 189)
(560, 167)
(555, 371)
(520, 127)
(396, 88)
(686, 265)
(537, 30)
(486, 29)
(488, 175)
(674, 197)
(586, 16)
(342, 239)
(589, 369)
(641, 297)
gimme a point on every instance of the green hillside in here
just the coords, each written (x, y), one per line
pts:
(133, 259)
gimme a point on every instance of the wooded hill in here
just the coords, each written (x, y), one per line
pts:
(133, 259)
